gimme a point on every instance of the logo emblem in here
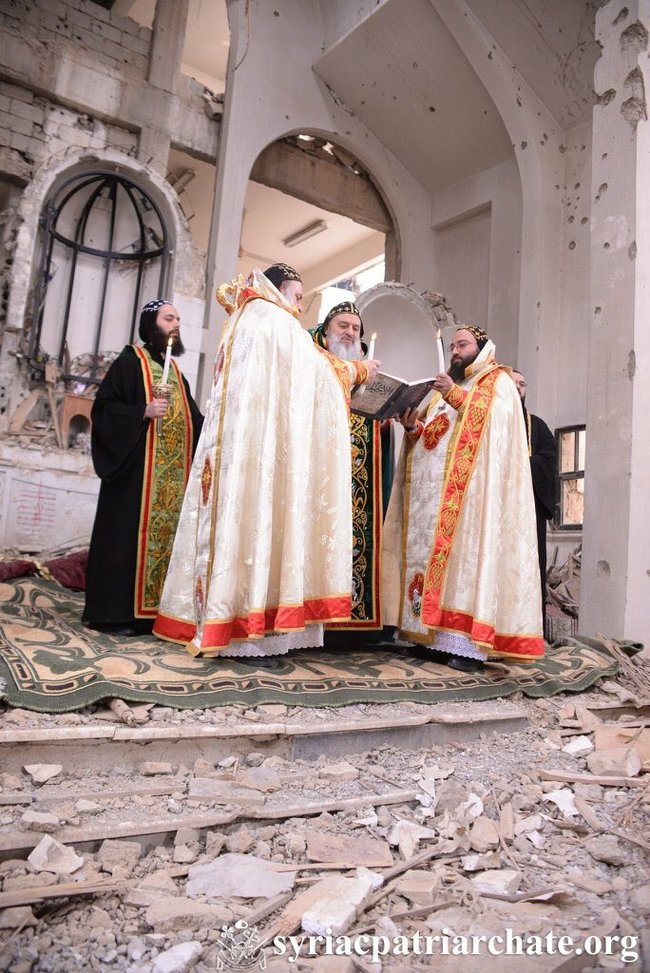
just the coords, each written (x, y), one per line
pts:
(238, 948)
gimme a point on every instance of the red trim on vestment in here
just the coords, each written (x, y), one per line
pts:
(250, 294)
(461, 465)
(147, 476)
(285, 618)
(515, 645)
(174, 629)
(247, 294)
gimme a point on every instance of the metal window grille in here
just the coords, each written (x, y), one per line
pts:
(108, 240)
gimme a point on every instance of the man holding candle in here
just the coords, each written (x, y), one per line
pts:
(142, 447)
(341, 334)
(460, 566)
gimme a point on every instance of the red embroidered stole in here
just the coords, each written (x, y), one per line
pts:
(463, 452)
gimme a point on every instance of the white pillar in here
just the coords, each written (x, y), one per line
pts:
(167, 42)
(615, 596)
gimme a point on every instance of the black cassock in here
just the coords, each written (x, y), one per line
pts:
(543, 458)
(119, 432)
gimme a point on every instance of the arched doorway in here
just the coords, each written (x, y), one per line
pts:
(311, 204)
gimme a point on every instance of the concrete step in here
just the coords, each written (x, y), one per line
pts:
(106, 745)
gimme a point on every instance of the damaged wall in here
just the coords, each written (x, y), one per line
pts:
(481, 280)
(81, 88)
(560, 197)
(616, 560)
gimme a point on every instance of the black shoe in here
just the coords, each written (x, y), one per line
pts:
(112, 628)
(430, 654)
(464, 663)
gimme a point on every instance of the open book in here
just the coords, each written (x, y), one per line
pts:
(389, 396)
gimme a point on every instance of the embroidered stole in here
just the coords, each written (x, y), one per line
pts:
(461, 459)
(168, 458)
(367, 518)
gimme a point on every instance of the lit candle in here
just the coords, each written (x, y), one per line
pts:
(441, 354)
(168, 358)
(371, 347)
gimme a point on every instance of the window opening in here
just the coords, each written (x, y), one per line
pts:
(105, 251)
(571, 442)
(349, 288)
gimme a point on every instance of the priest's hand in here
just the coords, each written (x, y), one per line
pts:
(409, 420)
(443, 383)
(373, 367)
(156, 409)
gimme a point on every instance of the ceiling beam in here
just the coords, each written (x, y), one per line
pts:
(324, 184)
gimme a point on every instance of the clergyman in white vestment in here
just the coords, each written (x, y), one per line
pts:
(262, 553)
(460, 565)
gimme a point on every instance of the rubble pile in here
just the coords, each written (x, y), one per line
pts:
(164, 868)
(563, 596)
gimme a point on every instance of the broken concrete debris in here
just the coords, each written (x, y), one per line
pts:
(51, 856)
(244, 876)
(534, 840)
(40, 773)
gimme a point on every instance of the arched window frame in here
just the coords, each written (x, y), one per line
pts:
(48, 225)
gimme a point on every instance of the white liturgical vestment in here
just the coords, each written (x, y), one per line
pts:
(263, 547)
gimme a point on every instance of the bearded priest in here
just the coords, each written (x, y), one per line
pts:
(341, 333)
(142, 448)
(460, 541)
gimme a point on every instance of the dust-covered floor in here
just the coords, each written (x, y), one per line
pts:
(541, 833)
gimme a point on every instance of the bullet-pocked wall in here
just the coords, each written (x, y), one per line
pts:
(76, 95)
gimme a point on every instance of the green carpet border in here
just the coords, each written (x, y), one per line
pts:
(245, 683)
(334, 698)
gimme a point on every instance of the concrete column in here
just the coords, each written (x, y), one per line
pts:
(165, 57)
(615, 597)
(167, 43)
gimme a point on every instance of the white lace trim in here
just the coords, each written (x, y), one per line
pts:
(457, 644)
(311, 637)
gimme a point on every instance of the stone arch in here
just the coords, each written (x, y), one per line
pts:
(253, 119)
(387, 221)
(406, 324)
(187, 266)
(45, 182)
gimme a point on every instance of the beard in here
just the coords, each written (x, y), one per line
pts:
(159, 339)
(347, 350)
(456, 370)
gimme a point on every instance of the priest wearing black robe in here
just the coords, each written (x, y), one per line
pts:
(543, 465)
(142, 448)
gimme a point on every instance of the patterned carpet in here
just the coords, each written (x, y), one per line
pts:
(50, 663)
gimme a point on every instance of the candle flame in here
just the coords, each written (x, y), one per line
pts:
(170, 342)
(374, 336)
(439, 333)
